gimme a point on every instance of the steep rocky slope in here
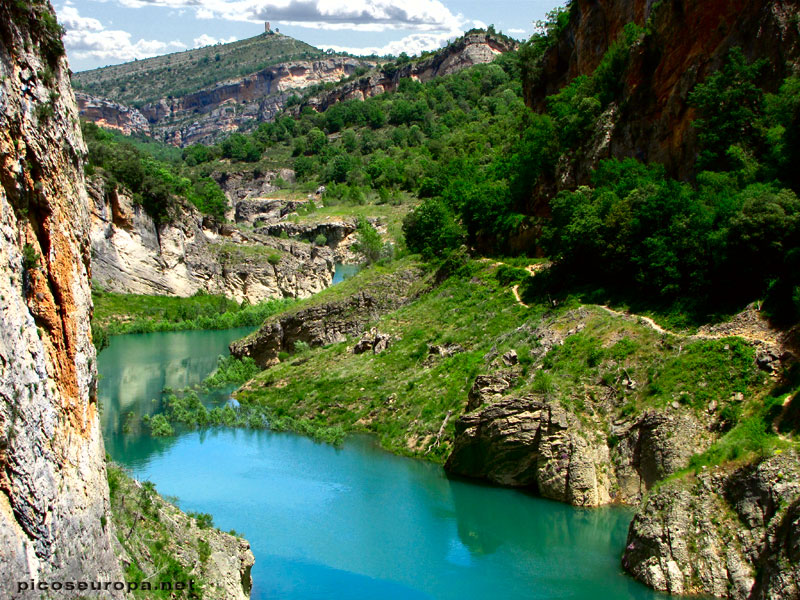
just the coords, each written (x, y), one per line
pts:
(55, 518)
(53, 490)
(727, 533)
(201, 116)
(473, 49)
(192, 253)
(154, 533)
(684, 42)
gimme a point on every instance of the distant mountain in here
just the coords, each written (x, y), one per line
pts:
(186, 98)
(172, 75)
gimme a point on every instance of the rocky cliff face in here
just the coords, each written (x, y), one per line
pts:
(191, 253)
(53, 490)
(202, 116)
(111, 115)
(154, 532)
(472, 49)
(586, 457)
(329, 322)
(728, 534)
(684, 43)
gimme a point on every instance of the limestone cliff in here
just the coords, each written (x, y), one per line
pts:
(111, 115)
(727, 533)
(56, 525)
(327, 321)
(193, 253)
(204, 115)
(53, 490)
(472, 49)
(684, 42)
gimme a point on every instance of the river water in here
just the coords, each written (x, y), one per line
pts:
(353, 522)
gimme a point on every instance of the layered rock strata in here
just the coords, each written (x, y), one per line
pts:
(192, 253)
(329, 322)
(727, 533)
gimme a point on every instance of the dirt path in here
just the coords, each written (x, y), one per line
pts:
(639, 318)
(517, 297)
(748, 324)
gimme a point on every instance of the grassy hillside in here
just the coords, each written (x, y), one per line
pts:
(136, 83)
(591, 360)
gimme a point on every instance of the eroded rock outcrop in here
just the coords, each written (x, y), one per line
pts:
(53, 489)
(192, 253)
(329, 322)
(472, 49)
(728, 534)
(583, 452)
(112, 115)
(529, 442)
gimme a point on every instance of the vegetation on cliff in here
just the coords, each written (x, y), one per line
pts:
(153, 182)
(166, 553)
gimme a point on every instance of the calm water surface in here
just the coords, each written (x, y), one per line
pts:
(344, 271)
(354, 522)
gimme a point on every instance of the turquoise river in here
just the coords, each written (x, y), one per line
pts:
(353, 522)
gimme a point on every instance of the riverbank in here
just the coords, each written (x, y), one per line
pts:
(347, 521)
(467, 343)
(462, 372)
(117, 314)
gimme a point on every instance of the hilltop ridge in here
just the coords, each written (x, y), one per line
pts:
(203, 107)
(139, 82)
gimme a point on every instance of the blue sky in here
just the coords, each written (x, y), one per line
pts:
(105, 32)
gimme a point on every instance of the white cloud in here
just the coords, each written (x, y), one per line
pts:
(360, 15)
(87, 38)
(207, 40)
(516, 31)
(411, 45)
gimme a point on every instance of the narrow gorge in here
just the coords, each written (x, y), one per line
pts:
(504, 315)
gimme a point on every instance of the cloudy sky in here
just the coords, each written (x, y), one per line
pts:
(105, 32)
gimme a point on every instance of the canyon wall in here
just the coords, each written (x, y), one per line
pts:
(53, 489)
(191, 253)
(204, 116)
(684, 42)
(472, 49)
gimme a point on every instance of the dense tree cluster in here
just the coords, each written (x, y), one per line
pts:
(154, 183)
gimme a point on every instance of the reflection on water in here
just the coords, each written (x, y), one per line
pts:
(343, 272)
(354, 522)
(134, 369)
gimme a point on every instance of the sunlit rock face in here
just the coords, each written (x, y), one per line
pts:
(53, 489)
